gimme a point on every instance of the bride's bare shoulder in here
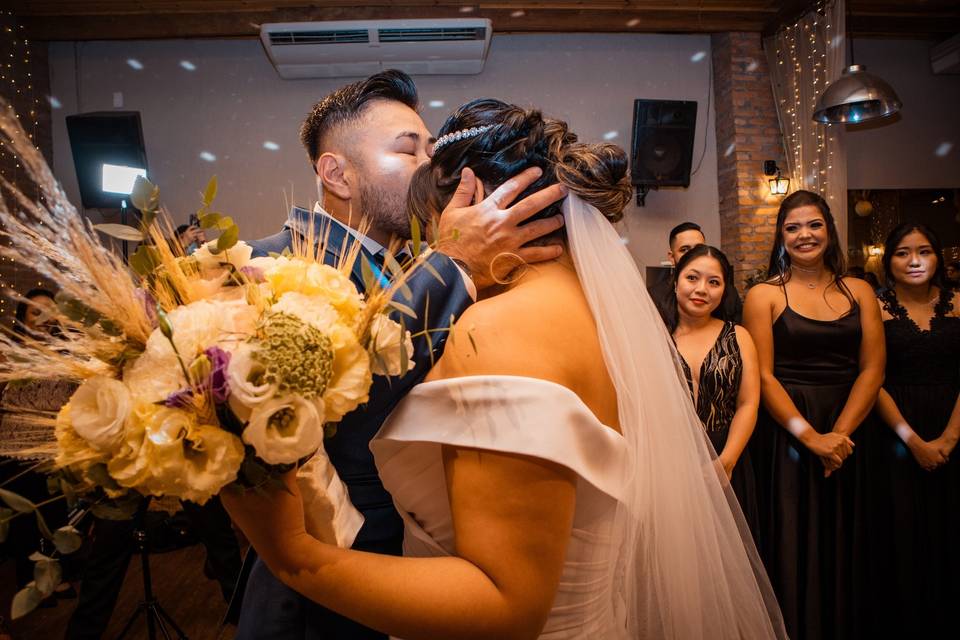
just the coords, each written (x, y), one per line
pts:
(520, 332)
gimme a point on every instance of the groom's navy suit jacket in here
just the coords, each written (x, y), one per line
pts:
(270, 609)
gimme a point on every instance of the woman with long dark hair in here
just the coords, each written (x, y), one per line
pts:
(914, 479)
(819, 338)
(720, 364)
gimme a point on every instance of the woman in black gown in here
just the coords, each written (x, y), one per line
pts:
(820, 344)
(914, 483)
(720, 364)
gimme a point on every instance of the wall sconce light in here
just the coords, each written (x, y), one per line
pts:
(779, 186)
(875, 250)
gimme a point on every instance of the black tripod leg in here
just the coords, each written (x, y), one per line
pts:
(129, 625)
(164, 616)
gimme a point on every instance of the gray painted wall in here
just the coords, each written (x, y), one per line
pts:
(233, 102)
(920, 148)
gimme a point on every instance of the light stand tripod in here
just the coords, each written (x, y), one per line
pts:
(149, 606)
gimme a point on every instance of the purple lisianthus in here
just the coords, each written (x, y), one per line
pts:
(179, 399)
(219, 384)
(149, 305)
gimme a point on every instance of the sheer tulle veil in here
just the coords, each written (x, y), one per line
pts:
(682, 562)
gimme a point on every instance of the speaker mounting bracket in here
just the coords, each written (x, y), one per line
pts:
(642, 191)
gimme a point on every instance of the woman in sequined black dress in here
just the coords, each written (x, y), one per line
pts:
(720, 364)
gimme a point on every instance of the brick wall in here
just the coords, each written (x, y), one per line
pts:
(748, 133)
(25, 85)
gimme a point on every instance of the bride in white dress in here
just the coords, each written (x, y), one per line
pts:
(552, 474)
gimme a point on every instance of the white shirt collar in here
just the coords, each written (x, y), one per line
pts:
(369, 244)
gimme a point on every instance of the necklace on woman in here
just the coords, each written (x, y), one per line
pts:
(810, 285)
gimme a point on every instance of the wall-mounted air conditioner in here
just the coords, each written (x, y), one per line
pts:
(360, 48)
(945, 57)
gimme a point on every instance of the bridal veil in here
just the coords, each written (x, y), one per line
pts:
(683, 562)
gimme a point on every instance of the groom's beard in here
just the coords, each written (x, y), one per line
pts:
(386, 211)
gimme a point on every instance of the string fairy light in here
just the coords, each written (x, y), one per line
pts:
(18, 85)
(804, 47)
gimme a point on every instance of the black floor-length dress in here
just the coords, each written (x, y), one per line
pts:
(812, 527)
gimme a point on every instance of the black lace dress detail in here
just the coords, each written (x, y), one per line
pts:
(915, 513)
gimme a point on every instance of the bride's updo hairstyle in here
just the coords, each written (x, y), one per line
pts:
(517, 139)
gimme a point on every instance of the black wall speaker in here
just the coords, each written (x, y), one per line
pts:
(662, 149)
(104, 137)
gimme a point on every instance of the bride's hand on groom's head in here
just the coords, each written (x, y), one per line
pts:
(488, 227)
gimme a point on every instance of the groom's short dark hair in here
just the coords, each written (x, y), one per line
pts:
(347, 104)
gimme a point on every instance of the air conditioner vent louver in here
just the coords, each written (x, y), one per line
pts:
(319, 37)
(358, 48)
(431, 35)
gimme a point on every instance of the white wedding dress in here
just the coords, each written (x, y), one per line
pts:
(510, 414)
(659, 548)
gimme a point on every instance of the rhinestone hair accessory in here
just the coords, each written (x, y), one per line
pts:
(455, 136)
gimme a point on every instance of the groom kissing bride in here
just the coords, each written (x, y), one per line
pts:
(548, 476)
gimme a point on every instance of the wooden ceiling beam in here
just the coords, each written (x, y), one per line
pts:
(246, 24)
(154, 19)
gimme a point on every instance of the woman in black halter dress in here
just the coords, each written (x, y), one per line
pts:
(915, 482)
(820, 342)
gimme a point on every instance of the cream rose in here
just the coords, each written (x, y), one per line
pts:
(98, 411)
(349, 385)
(285, 429)
(387, 355)
(247, 387)
(312, 310)
(179, 457)
(196, 326)
(211, 264)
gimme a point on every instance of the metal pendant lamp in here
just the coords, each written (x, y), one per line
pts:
(857, 96)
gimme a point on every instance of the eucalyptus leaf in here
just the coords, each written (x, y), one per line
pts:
(225, 222)
(120, 231)
(68, 492)
(228, 238)
(395, 268)
(436, 274)
(117, 508)
(26, 600)
(47, 574)
(17, 502)
(402, 308)
(145, 260)
(42, 525)
(209, 220)
(145, 195)
(67, 539)
(210, 192)
(36, 556)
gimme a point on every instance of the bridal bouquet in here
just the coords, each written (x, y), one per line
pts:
(194, 371)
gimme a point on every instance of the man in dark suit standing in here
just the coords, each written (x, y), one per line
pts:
(364, 142)
(683, 237)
